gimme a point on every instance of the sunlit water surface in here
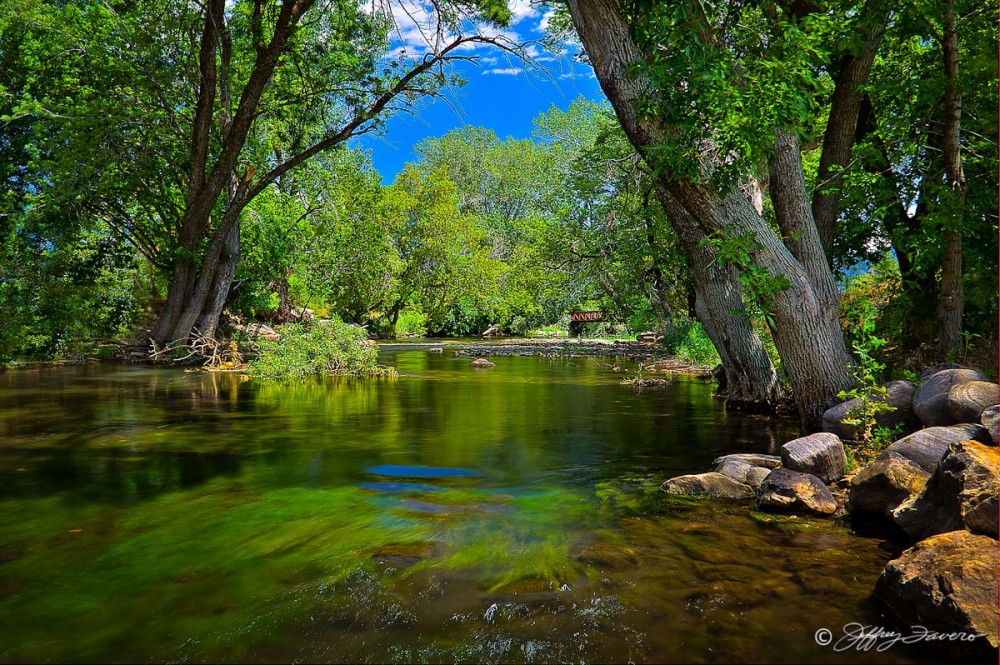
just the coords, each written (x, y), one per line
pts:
(453, 514)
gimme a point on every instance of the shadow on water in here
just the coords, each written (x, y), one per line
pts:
(511, 515)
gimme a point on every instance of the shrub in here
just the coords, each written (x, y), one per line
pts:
(328, 348)
(690, 343)
(411, 321)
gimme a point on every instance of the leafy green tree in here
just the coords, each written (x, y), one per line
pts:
(167, 119)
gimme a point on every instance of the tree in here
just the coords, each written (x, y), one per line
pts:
(223, 101)
(674, 84)
(941, 227)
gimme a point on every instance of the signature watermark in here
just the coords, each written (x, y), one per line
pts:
(860, 637)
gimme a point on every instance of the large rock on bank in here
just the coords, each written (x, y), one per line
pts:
(928, 446)
(888, 481)
(930, 401)
(946, 583)
(900, 397)
(966, 401)
(820, 454)
(710, 484)
(962, 494)
(786, 490)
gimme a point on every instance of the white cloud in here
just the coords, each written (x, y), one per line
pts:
(543, 25)
(489, 60)
(521, 9)
(510, 71)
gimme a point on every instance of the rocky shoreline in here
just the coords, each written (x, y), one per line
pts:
(933, 492)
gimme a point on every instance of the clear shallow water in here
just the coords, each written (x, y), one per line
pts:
(454, 514)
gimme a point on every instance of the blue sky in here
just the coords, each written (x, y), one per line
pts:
(501, 93)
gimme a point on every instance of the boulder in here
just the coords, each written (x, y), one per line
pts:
(820, 454)
(966, 401)
(793, 491)
(482, 362)
(930, 401)
(946, 583)
(436, 349)
(756, 477)
(900, 397)
(931, 371)
(743, 472)
(989, 419)
(753, 459)
(928, 446)
(962, 494)
(710, 484)
(260, 331)
(888, 481)
(735, 469)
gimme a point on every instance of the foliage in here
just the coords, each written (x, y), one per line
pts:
(327, 348)
(867, 372)
(62, 294)
(760, 286)
(688, 341)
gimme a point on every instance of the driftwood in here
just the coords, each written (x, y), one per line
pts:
(213, 354)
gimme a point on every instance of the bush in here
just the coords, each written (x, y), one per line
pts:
(411, 321)
(690, 343)
(328, 348)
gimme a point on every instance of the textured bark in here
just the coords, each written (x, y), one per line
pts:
(951, 297)
(791, 207)
(812, 350)
(218, 294)
(750, 376)
(842, 129)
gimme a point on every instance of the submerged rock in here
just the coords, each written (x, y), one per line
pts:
(966, 401)
(788, 490)
(482, 362)
(946, 583)
(710, 484)
(962, 493)
(885, 483)
(990, 418)
(928, 446)
(900, 396)
(930, 401)
(820, 454)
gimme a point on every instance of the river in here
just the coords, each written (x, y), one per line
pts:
(450, 515)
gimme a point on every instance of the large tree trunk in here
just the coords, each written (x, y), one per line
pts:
(218, 294)
(812, 351)
(951, 298)
(719, 306)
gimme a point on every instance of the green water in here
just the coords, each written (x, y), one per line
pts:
(453, 514)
